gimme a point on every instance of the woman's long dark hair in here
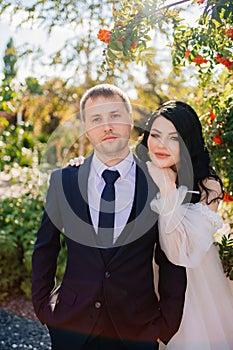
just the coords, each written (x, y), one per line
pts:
(194, 157)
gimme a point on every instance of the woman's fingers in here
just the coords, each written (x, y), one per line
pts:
(79, 160)
(76, 161)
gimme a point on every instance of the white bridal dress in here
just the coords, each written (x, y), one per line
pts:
(186, 236)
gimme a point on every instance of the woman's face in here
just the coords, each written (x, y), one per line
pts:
(163, 144)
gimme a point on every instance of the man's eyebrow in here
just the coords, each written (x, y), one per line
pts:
(99, 114)
(95, 115)
(116, 111)
(160, 132)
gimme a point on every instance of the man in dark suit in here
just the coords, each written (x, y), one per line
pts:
(106, 300)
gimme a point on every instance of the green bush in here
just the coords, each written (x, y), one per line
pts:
(226, 255)
(17, 145)
(20, 216)
(11, 270)
(19, 220)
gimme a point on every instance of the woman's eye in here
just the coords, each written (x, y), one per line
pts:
(175, 138)
(115, 115)
(155, 135)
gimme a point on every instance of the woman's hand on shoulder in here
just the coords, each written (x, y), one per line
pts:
(76, 161)
(215, 192)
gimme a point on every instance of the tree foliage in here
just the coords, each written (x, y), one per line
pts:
(134, 20)
(79, 51)
(7, 92)
(48, 104)
(207, 46)
(10, 59)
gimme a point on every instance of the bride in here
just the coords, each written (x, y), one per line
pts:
(177, 158)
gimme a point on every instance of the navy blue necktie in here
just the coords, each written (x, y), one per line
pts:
(107, 209)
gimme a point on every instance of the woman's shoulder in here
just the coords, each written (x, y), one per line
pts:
(214, 192)
(213, 185)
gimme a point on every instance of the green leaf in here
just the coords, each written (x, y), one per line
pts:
(111, 54)
(116, 45)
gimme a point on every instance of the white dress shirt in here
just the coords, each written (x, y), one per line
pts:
(124, 191)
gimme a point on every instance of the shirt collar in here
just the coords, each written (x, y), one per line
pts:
(123, 167)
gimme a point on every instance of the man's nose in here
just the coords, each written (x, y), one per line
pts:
(107, 124)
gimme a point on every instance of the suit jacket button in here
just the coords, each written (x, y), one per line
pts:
(107, 274)
(97, 304)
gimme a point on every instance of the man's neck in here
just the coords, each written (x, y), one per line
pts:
(112, 159)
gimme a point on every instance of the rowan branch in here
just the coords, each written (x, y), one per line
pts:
(174, 4)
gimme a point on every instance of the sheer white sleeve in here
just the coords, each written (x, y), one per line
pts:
(186, 230)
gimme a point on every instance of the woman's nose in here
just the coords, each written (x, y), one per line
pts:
(161, 142)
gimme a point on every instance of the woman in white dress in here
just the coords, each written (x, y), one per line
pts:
(190, 191)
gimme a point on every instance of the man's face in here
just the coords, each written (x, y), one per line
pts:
(108, 126)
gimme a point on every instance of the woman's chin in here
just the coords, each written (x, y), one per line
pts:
(164, 165)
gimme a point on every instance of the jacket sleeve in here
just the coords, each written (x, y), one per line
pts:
(46, 251)
(171, 288)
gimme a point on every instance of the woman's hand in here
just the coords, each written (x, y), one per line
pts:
(76, 161)
(164, 178)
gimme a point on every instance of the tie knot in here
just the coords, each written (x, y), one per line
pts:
(110, 176)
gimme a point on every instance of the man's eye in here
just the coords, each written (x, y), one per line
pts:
(96, 120)
(116, 115)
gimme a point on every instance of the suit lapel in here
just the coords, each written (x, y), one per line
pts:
(75, 184)
(82, 185)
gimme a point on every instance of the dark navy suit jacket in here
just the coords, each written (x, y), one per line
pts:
(124, 286)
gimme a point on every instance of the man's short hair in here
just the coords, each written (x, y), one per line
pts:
(103, 90)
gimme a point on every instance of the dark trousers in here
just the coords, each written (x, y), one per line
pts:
(101, 343)
(67, 340)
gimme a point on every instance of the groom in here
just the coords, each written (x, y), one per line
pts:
(106, 299)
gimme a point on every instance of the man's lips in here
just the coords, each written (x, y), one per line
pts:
(109, 137)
